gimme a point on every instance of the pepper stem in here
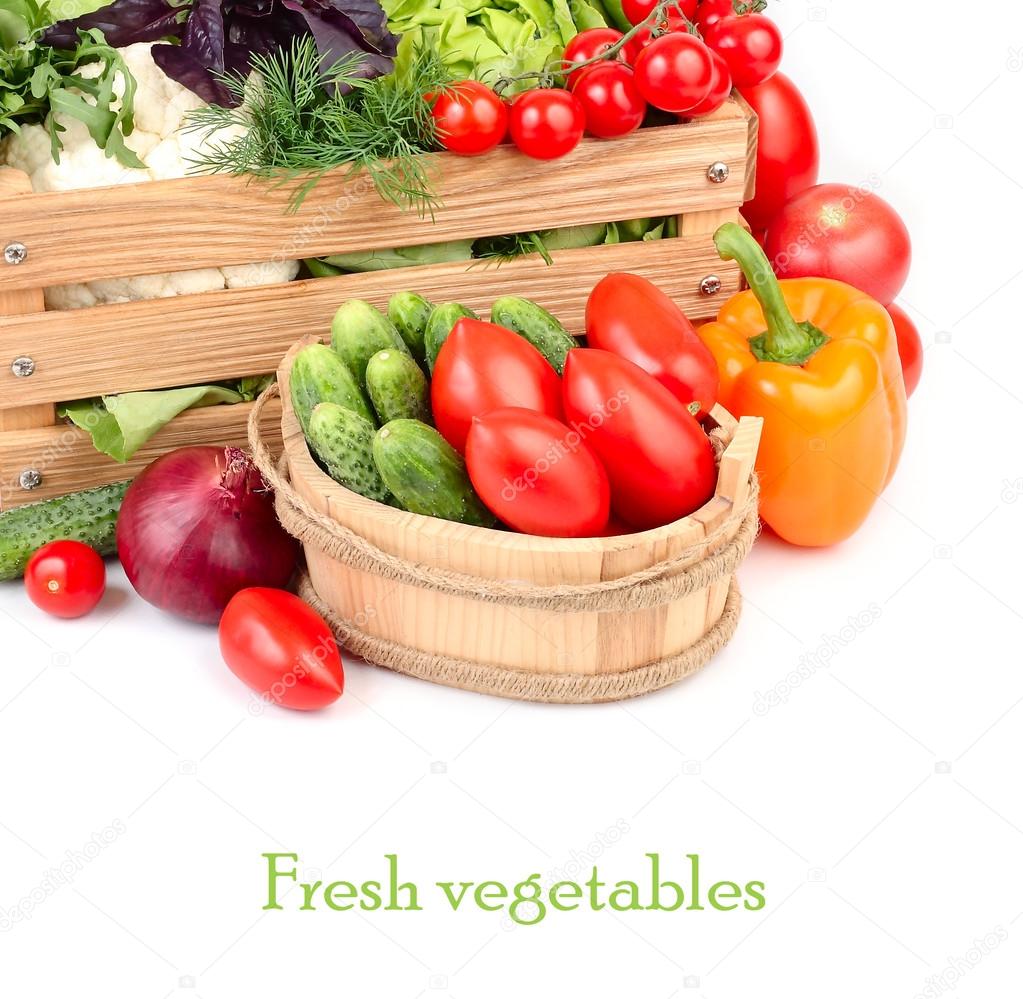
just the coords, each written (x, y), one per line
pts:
(784, 341)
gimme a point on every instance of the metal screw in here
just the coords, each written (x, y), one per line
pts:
(30, 479)
(22, 367)
(15, 253)
(717, 173)
(710, 285)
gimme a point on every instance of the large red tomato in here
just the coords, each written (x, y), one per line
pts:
(911, 348)
(788, 153)
(628, 315)
(537, 475)
(658, 459)
(845, 233)
(482, 367)
(281, 648)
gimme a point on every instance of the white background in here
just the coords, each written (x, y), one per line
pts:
(880, 802)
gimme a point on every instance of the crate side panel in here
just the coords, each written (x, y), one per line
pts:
(197, 222)
(230, 334)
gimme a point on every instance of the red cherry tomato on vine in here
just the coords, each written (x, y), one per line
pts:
(546, 124)
(482, 367)
(911, 348)
(588, 45)
(711, 11)
(537, 475)
(65, 578)
(611, 101)
(720, 89)
(281, 648)
(751, 44)
(675, 72)
(845, 233)
(636, 11)
(658, 459)
(470, 118)
(788, 154)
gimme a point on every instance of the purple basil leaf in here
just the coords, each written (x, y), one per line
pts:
(337, 33)
(124, 22)
(252, 31)
(198, 62)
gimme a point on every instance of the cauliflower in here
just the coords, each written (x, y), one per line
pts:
(160, 108)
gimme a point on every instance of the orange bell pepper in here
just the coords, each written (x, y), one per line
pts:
(819, 361)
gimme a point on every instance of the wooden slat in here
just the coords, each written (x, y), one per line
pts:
(752, 137)
(231, 334)
(68, 462)
(22, 302)
(77, 236)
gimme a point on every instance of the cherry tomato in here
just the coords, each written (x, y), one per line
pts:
(751, 44)
(720, 89)
(788, 154)
(629, 316)
(637, 11)
(675, 72)
(537, 475)
(588, 45)
(611, 101)
(711, 11)
(658, 459)
(674, 21)
(845, 233)
(546, 124)
(482, 367)
(470, 118)
(65, 578)
(911, 348)
(281, 648)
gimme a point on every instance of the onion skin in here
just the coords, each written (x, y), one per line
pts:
(197, 526)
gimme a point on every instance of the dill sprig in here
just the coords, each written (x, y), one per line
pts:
(300, 119)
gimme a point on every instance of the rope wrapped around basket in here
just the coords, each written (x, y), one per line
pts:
(716, 555)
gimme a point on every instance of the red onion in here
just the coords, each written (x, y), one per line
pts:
(197, 526)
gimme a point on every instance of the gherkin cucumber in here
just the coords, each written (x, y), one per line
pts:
(319, 375)
(442, 320)
(537, 326)
(89, 517)
(397, 387)
(410, 313)
(358, 331)
(426, 474)
(343, 441)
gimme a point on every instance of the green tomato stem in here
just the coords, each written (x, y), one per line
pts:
(784, 341)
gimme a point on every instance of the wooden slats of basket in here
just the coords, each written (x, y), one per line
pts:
(136, 229)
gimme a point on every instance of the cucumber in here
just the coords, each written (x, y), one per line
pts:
(89, 517)
(397, 387)
(426, 474)
(442, 319)
(343, 441)
(410, 313)
(358, 331)
(537, 326)
(319, 375)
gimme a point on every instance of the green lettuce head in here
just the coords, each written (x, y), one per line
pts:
(489, 39)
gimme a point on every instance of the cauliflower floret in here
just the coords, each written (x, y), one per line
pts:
(160, 108)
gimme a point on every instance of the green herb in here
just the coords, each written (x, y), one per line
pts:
(302, 119)
(36, 79)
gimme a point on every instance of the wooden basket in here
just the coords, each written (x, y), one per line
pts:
(702, 171)
(549, 653)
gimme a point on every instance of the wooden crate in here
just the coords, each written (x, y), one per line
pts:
(132, 230)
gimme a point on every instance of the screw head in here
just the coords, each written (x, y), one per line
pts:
(15, 253)
(22, 367)
(30, 479)
(710, 285)
(717, 173)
